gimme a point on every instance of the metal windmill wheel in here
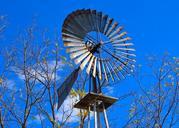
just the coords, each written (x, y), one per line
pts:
(100, 46)
(96, 42)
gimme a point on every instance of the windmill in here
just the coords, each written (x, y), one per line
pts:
(101, 47)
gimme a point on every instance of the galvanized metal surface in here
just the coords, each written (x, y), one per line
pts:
(105, 117)
(77, 27)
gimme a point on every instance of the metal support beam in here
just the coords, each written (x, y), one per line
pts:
(99, 122)
(89, 116)
(95, 116)
(105, 117)
(94, 85)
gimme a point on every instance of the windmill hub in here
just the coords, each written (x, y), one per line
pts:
(93, 47)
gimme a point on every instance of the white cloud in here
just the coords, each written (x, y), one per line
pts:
(40, 73)
(59, 66)
(38, 118)
(67, 107)
(10, 84)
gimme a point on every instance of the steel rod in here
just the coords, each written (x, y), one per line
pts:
(98, 117)
(105, 117)
(89, 116)
(95, 116)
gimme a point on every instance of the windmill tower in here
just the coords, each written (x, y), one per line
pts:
(100, 46)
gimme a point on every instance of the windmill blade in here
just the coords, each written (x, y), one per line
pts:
(70, 36)
(125, 67)
(85, 61)
(69, 39)
(120, 40)
(123, 44)
(84, 21)
(90, 64)
(65, 30)
(79, 59)
(89, 19)
(73, 30)
(127, 62)
(120, 60)
(115, 32)
(99, 69)
(78, 53)
(73, 49)
(125, 57)
(66, 86)
(69, 44)
(73, 26)
(126, 49)
(93, 16)
(109, 71)
(95, 19)
(79, 22)
(94, 67)
(111, 29)
(105, 73)
(103, 23)
(109, 22)
(119, 69)
(112, 69)
(125, 53)
(99, 19)
(118, 36)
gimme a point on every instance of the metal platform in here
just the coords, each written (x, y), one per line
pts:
(91, 98)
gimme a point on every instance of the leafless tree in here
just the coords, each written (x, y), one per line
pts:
(5, 66)
(47, 74)
(157, 104)
(29, 80)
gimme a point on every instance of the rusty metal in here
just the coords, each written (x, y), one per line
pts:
(90, 98)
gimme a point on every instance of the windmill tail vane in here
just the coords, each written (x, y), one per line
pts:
(65, 88)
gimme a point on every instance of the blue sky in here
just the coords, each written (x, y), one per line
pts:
(153, 24)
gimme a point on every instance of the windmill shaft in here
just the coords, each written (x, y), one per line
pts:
(94, 84)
